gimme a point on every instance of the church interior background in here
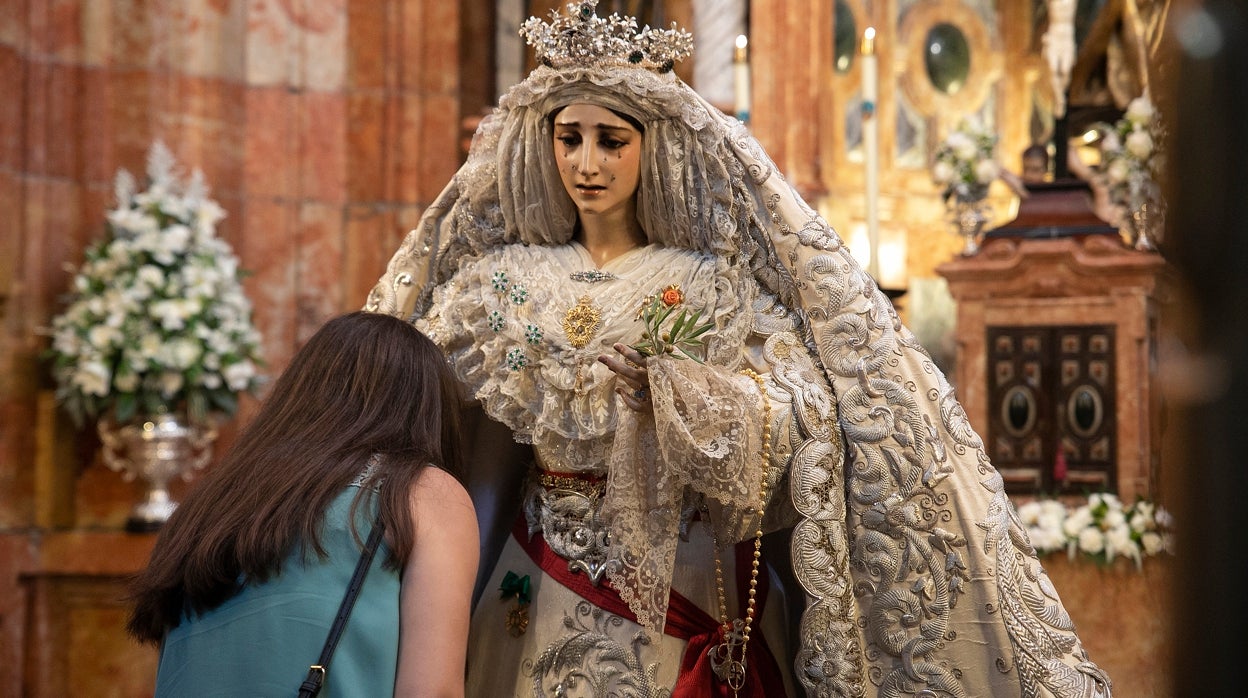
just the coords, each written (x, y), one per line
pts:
(324, 127)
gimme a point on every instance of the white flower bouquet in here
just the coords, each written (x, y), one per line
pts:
(1102, 529)
(157, 319)
(965, 163)
(1131, 159)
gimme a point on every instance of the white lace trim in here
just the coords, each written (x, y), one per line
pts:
(705, 436)
(500, 321)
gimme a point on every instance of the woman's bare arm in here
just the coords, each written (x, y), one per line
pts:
(436, 596)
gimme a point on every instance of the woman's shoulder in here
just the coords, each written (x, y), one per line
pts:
(440, 500)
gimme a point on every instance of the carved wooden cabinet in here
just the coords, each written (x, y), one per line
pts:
(1056, 361)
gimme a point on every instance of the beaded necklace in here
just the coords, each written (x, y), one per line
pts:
(728, 661)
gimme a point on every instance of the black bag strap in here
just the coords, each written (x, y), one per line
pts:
(316, 672)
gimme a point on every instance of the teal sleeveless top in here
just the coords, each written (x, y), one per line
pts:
(261, 641)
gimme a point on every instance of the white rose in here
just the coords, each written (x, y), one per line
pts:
(176, 238)
(66, 342)
(238, 375)
(986, 171)
(92, 378)
(104, 337)
(1046, 539)
(151, 276)
(942, 172)
(1110, 142)
(207, 215)
(148, 241)
(1077, 521)
(170, 383)
(1051, 520)
(177, 207)
(127, 382)
(171, 314)
(1118, 541)
(150, 346)
(1152, 542)
(1140, 111)
(1053, 508)
(1140, 144)
(96, 306)
(1091, 541)
(1118, 171)
(185, 352)
(1114, 518)
(210, 381)
(1163, 518)
(965, 150)
(1109, 499)
(134, 221)
(1029, 513)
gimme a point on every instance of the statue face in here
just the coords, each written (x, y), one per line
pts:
(599, 158)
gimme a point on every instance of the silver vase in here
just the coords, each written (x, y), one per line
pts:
(969, 216)
(1144, 228)
(155, 449)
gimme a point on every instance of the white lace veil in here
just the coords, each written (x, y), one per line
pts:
(699, 184)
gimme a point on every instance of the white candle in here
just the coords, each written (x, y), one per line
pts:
(892, 260)
(741, 78)
(871, 147)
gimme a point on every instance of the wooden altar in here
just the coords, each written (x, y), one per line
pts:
(1057, 360)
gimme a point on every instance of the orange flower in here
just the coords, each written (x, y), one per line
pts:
(672, 295)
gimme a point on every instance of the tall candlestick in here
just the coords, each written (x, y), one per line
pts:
(871, 147)
(741, 78)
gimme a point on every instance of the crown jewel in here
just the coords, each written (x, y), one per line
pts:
(583, 39)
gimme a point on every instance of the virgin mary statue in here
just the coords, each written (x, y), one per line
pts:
(729, 466)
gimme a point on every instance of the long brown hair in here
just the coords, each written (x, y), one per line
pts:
(364, 384)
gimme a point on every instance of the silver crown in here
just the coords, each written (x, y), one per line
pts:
(584, 39)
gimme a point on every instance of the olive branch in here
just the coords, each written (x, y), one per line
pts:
(683, 335)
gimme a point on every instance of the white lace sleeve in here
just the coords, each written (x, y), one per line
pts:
(706, 434)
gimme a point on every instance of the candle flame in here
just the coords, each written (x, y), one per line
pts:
(868, 42)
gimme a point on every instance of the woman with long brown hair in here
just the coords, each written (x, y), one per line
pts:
(247, 575)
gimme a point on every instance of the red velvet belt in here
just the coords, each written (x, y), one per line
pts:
(685, 621)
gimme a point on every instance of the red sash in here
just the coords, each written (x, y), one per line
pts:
(684, 621)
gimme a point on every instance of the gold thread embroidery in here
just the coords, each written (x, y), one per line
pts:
(581, 322)
(589, 488)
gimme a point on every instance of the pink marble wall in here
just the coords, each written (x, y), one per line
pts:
(324, 129)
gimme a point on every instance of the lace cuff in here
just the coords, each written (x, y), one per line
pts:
(706, 434)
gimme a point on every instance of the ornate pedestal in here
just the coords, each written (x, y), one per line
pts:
(1057, 348)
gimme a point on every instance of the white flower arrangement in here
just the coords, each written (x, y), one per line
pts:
(1131, 159)
(157, 319)
(1102, 528)
(965, 163)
